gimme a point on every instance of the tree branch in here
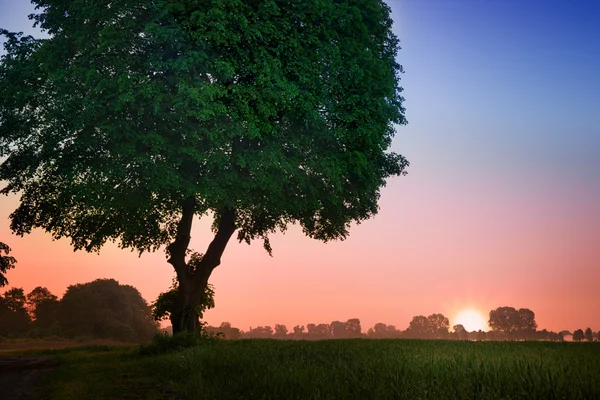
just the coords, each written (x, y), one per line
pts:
(176, 250)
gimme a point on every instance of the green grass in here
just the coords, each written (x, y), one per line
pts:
(103, 372)
(387, 369)
(335, 369)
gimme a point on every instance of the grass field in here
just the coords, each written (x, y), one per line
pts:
(334, 369)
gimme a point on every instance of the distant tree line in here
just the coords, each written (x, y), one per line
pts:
(99, 309)
(506, 323)
(105, 309)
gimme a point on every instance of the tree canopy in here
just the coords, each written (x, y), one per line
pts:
(510, 320)
(280, 111)
(105, 309)
(134, 116)
(578, 335)
(13, 314)
(433, 326)
(6, 262)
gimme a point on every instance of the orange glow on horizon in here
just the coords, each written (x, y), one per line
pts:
(471, 319)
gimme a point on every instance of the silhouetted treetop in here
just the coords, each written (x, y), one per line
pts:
(509, 320)
(6, 262)
(13, 314)
(36, 297)
(104, 308)
(578, 335)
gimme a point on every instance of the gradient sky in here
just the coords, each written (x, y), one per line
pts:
(501, 206)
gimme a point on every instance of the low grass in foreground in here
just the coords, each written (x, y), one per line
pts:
(335, 369)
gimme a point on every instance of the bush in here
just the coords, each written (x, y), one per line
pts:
(165, 343)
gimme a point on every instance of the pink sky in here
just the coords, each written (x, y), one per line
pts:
(432, 248)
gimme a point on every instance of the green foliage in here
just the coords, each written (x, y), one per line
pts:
(283, 111)
(105, 309)
(6, 262)
(165, 343)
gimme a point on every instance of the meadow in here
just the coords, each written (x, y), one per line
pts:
(333, 369)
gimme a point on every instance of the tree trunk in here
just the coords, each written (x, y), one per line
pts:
(192, 283)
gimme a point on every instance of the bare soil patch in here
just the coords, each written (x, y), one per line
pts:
(20, 377)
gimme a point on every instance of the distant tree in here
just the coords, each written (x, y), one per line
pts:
(383, 331)
(6, 262)
(419, 327)
(15, 299)
(260, 332)
(130, 120)
(512, 322)
(439, 326)
(380, 330)
(338, 329)
(226, 330)
(578, 335)
(310, 331)
(298, 332)
(434, 326)
(589, 335)
(14, 319)
(504, 319)
(280, 331)
(323, 331)
(44, 318)
(4, 317)
(105, 309)
(560, 337)
(527, 320)
(36, 297)
(544, 334)
(480, 335)
(353, 328)
(460, 331)
(393, 332)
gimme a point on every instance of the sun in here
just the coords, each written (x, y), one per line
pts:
(471, 319)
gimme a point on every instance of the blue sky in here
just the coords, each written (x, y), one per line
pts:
(503, 85)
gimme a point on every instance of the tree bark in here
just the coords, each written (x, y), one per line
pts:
(193, 282)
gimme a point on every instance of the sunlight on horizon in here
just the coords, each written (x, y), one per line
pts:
(471, 319)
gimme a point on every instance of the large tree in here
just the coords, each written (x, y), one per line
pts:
(134, 117)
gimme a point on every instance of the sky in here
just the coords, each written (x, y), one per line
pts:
(501, 205)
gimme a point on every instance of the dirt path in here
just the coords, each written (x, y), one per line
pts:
(20, 376)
